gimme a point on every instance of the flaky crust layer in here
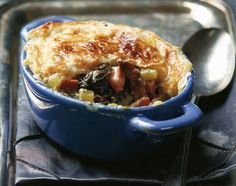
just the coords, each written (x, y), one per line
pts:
(71, 48)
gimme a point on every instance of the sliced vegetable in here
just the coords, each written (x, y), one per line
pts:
(54, 81)
(85, 95)
(113, 105)
(144, 101)
(69, 85)
(156, 103)
(117, 79)
(149, 74)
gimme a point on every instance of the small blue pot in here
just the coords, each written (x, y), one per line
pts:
(104, 132)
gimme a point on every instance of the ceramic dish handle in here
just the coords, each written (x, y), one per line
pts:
(191, 117)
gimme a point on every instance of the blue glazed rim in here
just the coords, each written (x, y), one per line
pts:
(50, 94)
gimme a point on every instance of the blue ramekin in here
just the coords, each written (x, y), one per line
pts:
(105, 132)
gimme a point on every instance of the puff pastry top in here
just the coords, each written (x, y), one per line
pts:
(72, 48)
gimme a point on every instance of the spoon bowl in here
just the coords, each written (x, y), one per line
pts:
(212, 54)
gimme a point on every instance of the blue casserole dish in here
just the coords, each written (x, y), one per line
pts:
(105, 132)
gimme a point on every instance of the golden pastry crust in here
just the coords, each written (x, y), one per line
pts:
(71, 48)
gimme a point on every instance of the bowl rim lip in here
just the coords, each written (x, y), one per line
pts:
(69, 100)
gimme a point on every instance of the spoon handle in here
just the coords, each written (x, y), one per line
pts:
(177, 175)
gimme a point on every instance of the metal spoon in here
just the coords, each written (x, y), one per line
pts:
(212, 54)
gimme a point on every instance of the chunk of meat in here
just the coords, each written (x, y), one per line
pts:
(69, 85)
(151, 87)
(137, 86)
(144, 101)
(126, 67)
(117, 79)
